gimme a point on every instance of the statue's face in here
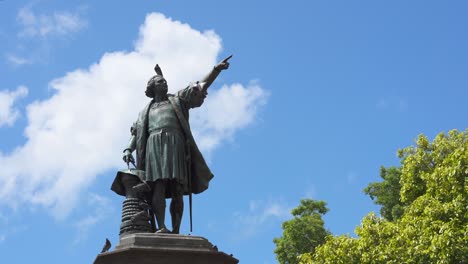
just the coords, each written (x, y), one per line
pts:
(160, 86)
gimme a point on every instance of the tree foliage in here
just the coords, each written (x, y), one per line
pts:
(303, 233)
(433, 227)
(387, 193)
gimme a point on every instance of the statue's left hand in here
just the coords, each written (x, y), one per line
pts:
(127, 156)
(224, 64)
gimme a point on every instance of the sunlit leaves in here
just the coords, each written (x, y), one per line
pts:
(387, 193)
(303, 233)
(433, 227)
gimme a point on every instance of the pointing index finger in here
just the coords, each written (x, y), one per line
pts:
(226, 59)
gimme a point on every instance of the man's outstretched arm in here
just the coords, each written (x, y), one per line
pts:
(209, 79)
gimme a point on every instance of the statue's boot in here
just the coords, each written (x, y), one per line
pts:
(160, 214)
(163, 231)
(177, 208)
(176, 221)
(158, 203)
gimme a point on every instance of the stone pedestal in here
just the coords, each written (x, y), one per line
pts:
(148, 248)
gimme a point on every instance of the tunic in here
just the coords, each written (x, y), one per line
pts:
(171, 148)
(165, 147)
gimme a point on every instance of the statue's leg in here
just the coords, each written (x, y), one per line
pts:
(177, 205)
(158, 203)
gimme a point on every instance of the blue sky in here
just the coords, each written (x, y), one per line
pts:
(319, 95)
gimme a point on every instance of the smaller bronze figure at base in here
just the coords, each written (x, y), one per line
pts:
(165, 148)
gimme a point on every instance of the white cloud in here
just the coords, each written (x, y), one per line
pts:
(59, 23)
(9, 114)
(102, 210)
(10, 226)
(81, 130)
(259, 214)
(16, 60)
(3, 224)
(212, 125)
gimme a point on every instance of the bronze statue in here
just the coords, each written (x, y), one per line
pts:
(165, 148)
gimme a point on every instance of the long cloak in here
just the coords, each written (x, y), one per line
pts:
(199, 172)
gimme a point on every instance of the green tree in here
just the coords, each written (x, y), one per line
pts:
(337, 250)
(434, 225)
(303, 233)
(387, 193)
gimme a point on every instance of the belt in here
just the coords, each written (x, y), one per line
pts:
(165, 129)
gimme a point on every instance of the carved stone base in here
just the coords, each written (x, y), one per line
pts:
(143, 248)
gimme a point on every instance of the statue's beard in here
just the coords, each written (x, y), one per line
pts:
(160, 92)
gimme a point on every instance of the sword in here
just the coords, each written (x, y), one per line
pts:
(189, 174)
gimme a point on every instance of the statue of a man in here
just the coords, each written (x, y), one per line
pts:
(165, 147)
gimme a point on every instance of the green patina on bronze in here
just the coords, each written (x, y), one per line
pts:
(169, 163)
(200, 173)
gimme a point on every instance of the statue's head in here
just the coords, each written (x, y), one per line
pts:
(157, 85)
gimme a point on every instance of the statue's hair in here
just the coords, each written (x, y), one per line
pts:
(149, 92)
(149, 87)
